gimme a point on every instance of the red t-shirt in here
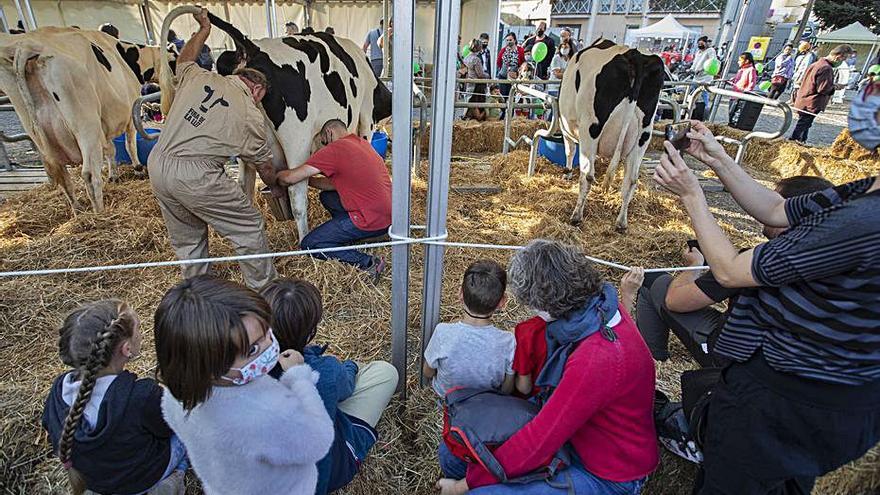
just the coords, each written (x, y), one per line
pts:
(360, 177)
(531, 348)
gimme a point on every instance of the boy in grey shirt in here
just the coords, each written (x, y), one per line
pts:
(472, 353)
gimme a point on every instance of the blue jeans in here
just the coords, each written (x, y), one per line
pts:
(339, 231)
(574, 479)
(178, 460)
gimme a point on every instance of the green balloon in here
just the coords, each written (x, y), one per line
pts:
(416, 68)
(874, 69)
(759, 67)
(465, 51)
(765, 86)
(712, 66)
(539, 51)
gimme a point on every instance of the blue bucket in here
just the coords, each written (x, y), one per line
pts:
(555, 152)
(144, 147)
(380, 143)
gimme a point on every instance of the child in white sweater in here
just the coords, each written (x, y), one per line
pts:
(244, 431)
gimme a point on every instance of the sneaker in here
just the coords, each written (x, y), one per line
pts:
(377, 268)
(673, 429)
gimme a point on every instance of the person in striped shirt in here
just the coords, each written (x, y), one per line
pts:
(802, 396)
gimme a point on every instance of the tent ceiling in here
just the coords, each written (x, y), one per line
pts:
(854, 33)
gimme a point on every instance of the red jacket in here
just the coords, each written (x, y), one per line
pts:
(817, 87)
(603, 406)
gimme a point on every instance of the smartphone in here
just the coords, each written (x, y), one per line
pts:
(693, 244)
(677, 135)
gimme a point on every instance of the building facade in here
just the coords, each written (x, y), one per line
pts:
(616, 17)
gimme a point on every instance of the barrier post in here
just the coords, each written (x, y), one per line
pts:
(443, 96)
(401, 109)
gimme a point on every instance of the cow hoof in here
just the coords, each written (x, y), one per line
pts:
(576, 222)
(139, 167)
(569, 176)
(621, 229)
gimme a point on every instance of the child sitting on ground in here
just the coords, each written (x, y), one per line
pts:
(245, 432)
(531, 342)
(106, 425)
(354, 395)
(472, 353)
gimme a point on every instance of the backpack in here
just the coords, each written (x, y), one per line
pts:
(864, 124)
(472, 431)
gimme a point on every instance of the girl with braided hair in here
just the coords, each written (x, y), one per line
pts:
(104, 423)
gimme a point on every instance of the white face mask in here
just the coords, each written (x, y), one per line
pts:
(260, 365)
(563, 51)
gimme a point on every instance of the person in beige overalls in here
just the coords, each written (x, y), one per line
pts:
(212, 119)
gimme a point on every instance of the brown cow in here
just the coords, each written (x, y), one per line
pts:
(73, 93)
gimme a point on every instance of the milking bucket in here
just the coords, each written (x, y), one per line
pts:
(280, 207)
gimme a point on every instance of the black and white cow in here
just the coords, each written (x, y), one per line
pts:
(313, 78)
(144, 60)
(607, 102)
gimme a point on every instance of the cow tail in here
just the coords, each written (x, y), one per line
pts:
(244, 45)
(24, 53)
(166, 76)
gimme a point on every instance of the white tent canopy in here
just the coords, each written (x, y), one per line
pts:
(668, 27)
(855, 33)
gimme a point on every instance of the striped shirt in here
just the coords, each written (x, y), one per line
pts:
(816, 313)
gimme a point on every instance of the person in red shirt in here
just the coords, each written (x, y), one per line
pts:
(597, 386)
(355, 190)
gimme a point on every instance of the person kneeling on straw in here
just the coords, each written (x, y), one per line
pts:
(355, 190)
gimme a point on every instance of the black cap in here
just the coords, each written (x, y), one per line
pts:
(704, 39)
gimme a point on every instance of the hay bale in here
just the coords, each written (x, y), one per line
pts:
(36, 230)
(470, 136)
(846, 148)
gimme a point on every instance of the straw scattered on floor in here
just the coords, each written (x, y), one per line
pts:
(36, 231)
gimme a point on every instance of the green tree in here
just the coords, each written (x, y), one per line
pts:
(836, 14)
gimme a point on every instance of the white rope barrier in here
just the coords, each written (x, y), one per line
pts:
(396, 240)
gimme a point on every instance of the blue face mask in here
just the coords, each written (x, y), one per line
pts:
(261, 364)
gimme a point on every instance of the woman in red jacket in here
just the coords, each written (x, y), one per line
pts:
(598, 383)
(510, 57)
(745, 80)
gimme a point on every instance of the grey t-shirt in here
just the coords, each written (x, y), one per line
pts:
(469, 356)
(373, 39)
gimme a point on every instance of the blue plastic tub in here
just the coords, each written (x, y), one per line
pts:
(555, 152)
(144, 147)
(380, 143)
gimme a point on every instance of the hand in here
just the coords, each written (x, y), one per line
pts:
(632, 281)
(704, 146)
(278, 191)
(673, 174)
(449, 486)
(290, 358)
(202, 18)
(693, 256)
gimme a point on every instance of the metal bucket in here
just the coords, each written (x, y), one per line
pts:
(280, 207)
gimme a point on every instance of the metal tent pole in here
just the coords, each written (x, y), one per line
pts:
(21, 15)
(270, 27)
(731, 54)
(401, 110)
(594, 12)
(443, 97)
(148, 23)
(386, 48)
(30, 13)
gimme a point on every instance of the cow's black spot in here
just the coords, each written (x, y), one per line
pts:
(602, 44)
(644, 138)
(312, 49)
(651, 80)
(131, 55)
(336, 87)
(288, 88)
(348, 122)
(381, 101)
(148, 74)
(338, 51)
(577, 81)
(354, 88)
(616, 81)
(99, 55)
(56, 96)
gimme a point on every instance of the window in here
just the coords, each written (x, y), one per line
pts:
(620, 6)
(605, 7)
(635, 5)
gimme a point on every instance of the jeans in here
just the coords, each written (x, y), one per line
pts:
(178, 461)
(339, 231)
(655, 321)
(574, 479)
(805, 121)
